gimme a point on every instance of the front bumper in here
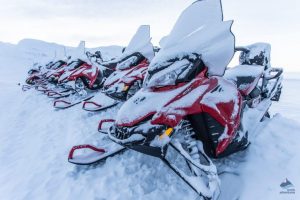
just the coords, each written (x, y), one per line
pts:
(139, 138)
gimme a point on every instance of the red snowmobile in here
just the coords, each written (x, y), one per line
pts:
(80, 82)
(191, 108)
(130, 71)
(121, 84)
(38, 73)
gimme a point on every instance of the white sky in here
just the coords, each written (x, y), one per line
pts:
(107, 22)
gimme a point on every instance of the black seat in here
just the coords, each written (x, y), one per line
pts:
(245, 77)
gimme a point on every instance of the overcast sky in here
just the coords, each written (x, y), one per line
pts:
(106, 22)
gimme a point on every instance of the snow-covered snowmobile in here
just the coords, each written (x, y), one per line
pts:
(192, 108)
(81, 82)
(38, 73)
(53, 75)
(130, 71)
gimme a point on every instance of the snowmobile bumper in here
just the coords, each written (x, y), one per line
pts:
(147, 141)
(118, 96)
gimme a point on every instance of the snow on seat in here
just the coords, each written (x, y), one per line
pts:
(245, 77)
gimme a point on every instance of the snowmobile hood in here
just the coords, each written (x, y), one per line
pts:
(147, 102)
(144, 104)
(200, 29)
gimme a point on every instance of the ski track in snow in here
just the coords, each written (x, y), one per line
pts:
(35, 140)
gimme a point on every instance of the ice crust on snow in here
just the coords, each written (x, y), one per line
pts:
(200, 29)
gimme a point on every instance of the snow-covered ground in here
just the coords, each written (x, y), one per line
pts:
(35, 140)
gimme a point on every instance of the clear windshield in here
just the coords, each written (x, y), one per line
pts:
(56, 65)
(174, 71)
(127, 63)
(200, 29)
(74, 64)
(140, 43)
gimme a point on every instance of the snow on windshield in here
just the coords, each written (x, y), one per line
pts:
(141, 42)
(200, 29)
(60, 54)
(79, 53)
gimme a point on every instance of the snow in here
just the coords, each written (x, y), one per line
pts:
(35, 140)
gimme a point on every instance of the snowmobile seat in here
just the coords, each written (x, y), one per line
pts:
(246, 77)
(256, 54)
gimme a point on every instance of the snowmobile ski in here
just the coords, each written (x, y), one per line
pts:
(61, 94)
(63, 104)
(95, 107)
(96, 154)
(26, 88)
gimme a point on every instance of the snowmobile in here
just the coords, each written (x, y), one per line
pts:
(192, 107)
(37, 74)
(130, 71)
(81, 82)
(52, 74)
(121, 84)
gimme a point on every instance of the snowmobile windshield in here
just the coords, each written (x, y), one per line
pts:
(74, 64)
(139, 43)
(32, 71)
(57, 65)
(174, 71)
(49, 65)
(129, 61)
(200, 30)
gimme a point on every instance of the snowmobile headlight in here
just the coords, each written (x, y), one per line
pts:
(168, 76)
(167, 79)
(127, 63)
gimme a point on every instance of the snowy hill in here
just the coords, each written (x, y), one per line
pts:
(35, 140)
